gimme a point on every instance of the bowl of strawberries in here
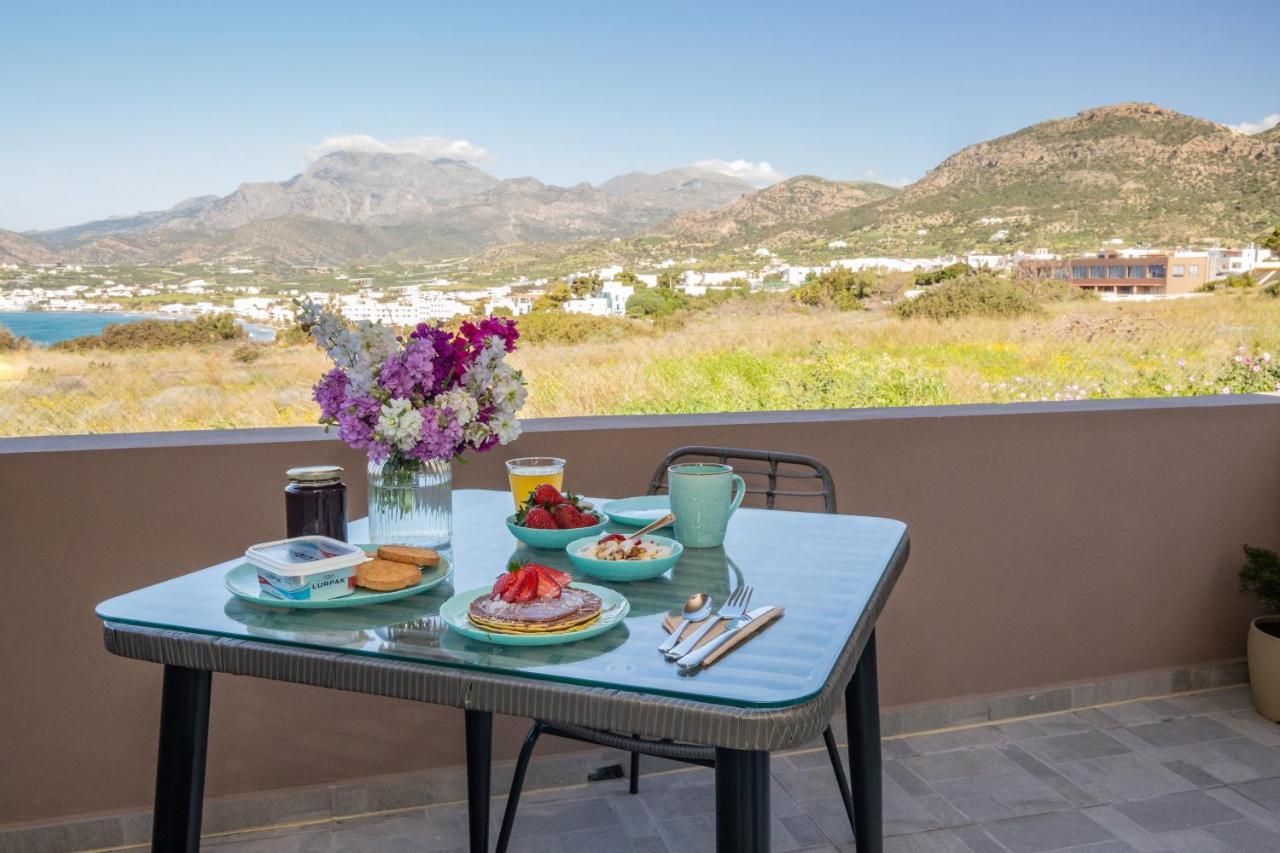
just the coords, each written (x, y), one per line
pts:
(552, 520)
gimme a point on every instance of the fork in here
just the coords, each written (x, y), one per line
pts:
(734, 607)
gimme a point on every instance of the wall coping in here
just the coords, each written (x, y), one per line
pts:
(279, 435)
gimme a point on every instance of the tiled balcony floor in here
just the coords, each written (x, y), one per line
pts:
(1197, 772)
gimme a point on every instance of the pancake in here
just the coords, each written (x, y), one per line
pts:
(574, 609)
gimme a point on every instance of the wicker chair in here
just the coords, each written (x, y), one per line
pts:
(782, 475)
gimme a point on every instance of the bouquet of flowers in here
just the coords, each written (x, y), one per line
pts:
(429, 396)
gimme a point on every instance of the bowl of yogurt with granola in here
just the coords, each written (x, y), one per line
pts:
(617, 557)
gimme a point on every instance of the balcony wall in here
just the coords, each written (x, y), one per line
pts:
(1051, 544)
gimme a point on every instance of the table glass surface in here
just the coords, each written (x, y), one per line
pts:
(821, 568)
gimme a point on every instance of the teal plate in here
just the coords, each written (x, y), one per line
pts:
(637, 512)
(624, 570)
(614, 608)
(242, 582)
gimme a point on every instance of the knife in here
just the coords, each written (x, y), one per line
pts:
(695, 658)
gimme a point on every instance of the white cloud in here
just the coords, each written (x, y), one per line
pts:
(757, 174)
(1264, 123)
(428, 146)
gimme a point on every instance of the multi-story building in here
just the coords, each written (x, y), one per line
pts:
(1164, 274)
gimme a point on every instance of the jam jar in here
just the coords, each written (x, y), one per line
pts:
(315, 502)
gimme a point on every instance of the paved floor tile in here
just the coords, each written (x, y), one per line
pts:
(1182, 730)
(1264, 792)
(1075, 747)
(1178, 811)
(1196, 773)
(1047, 832)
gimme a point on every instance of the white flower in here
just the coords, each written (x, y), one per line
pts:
(508, 389)
(505, 426)
(464, 405)
(400, 424)
(476, 433)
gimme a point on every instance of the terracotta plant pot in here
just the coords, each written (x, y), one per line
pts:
(1264, 665)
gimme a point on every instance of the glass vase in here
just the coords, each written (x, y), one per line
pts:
(411, 502)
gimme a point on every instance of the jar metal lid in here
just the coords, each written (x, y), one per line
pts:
(314, 474)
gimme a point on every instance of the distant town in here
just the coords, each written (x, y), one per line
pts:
(258, 296)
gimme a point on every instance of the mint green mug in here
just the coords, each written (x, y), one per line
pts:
(702, 498)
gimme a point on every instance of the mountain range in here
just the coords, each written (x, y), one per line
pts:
(1135, 171)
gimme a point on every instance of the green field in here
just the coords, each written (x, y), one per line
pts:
(763, 353)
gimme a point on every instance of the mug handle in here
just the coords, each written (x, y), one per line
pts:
(741, 489)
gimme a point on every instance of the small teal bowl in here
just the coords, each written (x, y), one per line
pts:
(624, 570)
(554, 539)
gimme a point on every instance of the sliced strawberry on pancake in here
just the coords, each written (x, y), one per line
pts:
(503, 585)
(547, 587)
(526, 589)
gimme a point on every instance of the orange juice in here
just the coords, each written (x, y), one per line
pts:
(529, 473)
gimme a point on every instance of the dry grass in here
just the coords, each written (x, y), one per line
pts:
(750, 355)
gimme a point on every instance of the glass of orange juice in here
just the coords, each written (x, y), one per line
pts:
(532, 471)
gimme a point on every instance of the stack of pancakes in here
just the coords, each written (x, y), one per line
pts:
(574, 610)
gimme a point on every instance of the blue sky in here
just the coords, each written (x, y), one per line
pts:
(116, 107)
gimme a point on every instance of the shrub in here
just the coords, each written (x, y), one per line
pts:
(925, 279)
(655, 302)
(972, 295)
(1231, 282)
(1056, 290)
(157, 334)
(246, 353)
(10, 342)
(561, 327)
(1260, 577)
(839, 288)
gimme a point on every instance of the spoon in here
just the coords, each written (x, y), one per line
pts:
(696, 608)
(652, 526)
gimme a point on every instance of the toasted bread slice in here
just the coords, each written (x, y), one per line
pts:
(386, 575)
(405, 554)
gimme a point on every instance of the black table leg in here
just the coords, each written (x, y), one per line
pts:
(479, 725)
(184, 740)
(862, 716)
(742, 801)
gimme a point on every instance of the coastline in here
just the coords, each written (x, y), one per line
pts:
(257, 331)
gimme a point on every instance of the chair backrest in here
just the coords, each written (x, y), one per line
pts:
(786, 475)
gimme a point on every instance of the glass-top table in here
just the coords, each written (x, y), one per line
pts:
(821, 568)
(831, 573)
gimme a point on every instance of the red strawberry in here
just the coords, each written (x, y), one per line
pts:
(586, 519)
(503, 585)
(547, 587)
(612, 537)
(546, 495)
(561, 578)
(540, 519)
(527, 587)
(566, 516)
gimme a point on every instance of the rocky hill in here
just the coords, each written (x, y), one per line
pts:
(17, 249)
(1139, 172)
(1135, 171)
(361, 205)
(782, 211)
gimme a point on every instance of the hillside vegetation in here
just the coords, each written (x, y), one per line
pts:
(744, 355)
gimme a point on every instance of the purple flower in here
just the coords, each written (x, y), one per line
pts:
(490, 327)
(409, 370)
(330, 392)
(356, 423)
(441, 435)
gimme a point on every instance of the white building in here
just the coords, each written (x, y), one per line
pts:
(648, 279)
(517, 305)
(596, 306)
(838, 244)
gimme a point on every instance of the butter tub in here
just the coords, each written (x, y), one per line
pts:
(306, 568)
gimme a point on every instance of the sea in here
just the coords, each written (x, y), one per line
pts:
(48, 327)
